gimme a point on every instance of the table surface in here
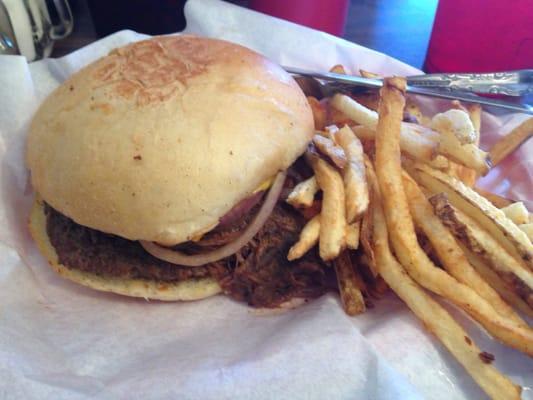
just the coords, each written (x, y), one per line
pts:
(399, 28)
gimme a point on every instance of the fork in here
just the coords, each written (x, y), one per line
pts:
(447, 86)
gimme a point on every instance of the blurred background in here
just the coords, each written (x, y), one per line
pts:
(434, 35)
(400, 28)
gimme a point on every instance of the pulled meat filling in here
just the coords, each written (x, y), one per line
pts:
(259, 274)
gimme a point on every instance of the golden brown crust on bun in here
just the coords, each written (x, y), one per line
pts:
(159, 139)
(183, 291)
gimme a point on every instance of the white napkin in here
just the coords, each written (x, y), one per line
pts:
(62, 341)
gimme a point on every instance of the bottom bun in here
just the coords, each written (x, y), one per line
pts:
(193, 289)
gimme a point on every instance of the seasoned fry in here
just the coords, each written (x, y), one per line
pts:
(474, 110)
(319, 112)
(493, 279)
(468, 154)
(440, 162)
(308, 238)
(303, 193)
(495, 199)
(482, 243)
(528, 230)
(517, 212)
(338, 69)
(333, 214)
(469, 176)
(350, 292)
(435, 318)
(449, 146)
(448, 251)
(480, 209)
(366, 223)
(355, 186)
(457, 123)
(328, 148)
(355, 111)
(403, 236)
(352, 235)
(460, 122)
(416, 146)
(510, 142)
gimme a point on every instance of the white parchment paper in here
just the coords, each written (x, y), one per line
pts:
(62, 341)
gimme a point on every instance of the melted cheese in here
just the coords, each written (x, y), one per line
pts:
(265, 185)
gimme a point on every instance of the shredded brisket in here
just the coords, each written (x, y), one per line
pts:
(259, 274)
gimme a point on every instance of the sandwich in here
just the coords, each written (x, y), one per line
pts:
(160, 172)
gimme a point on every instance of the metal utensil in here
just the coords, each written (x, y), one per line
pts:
(329, 83)
(508, 83)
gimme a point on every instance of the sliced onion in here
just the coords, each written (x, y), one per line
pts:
(180, 258)
(240, 209)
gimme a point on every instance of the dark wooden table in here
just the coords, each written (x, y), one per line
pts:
(399, 28)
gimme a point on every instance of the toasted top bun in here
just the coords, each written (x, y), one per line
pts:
(159, 139)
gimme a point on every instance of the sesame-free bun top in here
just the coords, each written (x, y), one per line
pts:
(159, 139)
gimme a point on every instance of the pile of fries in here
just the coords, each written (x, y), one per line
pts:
(402, 185)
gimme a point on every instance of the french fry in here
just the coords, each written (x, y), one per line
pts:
(308, 238)
(365, 236)
(481, 242)
(378, 288)
(434, 317)
(369, 100)
(403, 236)
(449, 146)
(496, 200)
(474, 110)
(481, 210)
(333, 115)
(355, 185)
(440, 162)
(303, 193)
(338, 69)
(510, 142)
(516, 212)
(328, 148)
(457, 123)
(350, 292)
(468, 154)
(352, 235)
(457, 120)
(355, 111)
(333, 214)
(457, 105)
(448, 251)
(319, 112)
(528, 230)
(469, 176)
(330, 130)
(368, 74)
(416, 146)
(493, 279)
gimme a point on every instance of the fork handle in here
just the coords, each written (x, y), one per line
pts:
(506, 83)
